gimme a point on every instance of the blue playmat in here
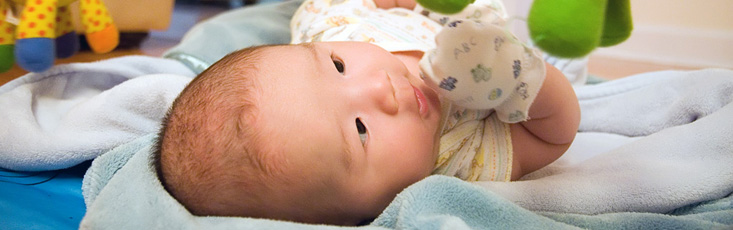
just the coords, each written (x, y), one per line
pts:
(42, 200)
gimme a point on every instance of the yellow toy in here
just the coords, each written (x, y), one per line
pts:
(45, 31)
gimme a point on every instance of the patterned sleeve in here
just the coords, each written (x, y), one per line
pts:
(316, 16)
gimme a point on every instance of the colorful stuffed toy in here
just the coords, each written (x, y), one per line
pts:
(44, 31)
(565, 28)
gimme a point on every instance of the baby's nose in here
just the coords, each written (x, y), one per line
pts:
(380, 92)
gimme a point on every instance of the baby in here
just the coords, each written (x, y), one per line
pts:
(329, 132)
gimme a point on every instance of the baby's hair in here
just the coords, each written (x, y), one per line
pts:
(206, 138)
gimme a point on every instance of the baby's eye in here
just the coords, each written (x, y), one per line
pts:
(339, 65)
(362, 131)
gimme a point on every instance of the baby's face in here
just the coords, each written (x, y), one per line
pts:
(348, 118)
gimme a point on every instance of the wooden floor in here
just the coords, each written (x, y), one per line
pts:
(186, 15)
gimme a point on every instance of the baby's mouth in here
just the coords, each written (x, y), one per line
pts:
(422, 102)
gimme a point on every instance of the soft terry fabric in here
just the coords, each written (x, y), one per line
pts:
(685, 159)
(210, 40)
(679, 177)
(440, 202)
(394, 29)
(72, 113)
(122, 192)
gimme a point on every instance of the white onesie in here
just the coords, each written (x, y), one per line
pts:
(482, 72)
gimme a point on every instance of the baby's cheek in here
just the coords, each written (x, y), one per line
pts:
(425, 158)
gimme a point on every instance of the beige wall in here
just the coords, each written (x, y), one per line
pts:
(704, 14)
(691, 33)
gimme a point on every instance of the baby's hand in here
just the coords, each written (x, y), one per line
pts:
(481, 66)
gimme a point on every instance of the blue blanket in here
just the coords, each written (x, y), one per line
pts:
(54, 123)
(209, 41)
(437, 202)
(440, 202)
(678, 177)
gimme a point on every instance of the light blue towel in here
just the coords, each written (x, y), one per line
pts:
(676, 178)
(437, 202)
(122, 191)
(74, 112)
(440, 202)
(210, 40)
(676, 147)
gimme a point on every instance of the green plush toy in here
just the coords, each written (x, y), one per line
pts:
(565, 28)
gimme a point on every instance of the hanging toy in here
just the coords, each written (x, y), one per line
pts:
(45, 31)
(565, 28)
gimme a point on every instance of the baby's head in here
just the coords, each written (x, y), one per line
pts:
(317, 133)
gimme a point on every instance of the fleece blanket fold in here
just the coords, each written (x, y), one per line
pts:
(677, 177)
(670, 98)
(210, 40)
(75, 112)
(72, 113)
(685, 159)
(144, 204)
(440, 202)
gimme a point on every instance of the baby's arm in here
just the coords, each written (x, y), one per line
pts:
(479, 65)
(554, 119)
(554, 114)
